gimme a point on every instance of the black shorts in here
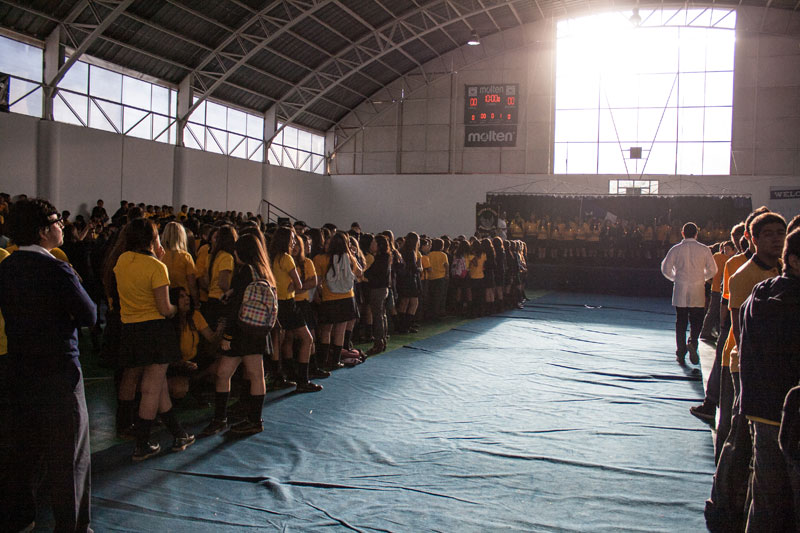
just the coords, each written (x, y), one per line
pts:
(308, 312)
(289, 317)
(337, 311)
(153, 342)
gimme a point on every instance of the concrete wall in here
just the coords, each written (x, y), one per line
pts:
(73, 166)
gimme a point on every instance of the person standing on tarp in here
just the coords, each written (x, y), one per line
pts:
(44, 303)
(689, 264)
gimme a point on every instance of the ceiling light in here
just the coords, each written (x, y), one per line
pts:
(474, 39)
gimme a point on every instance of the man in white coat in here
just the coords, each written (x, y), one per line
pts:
(689, 264)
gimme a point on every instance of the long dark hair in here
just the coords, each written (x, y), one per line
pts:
(226, 242)
(300, 257)
(140, 235)
(317, 242)
(250, 251)
(339, 245)
(281, 242)
(383, 244)
(410, 248)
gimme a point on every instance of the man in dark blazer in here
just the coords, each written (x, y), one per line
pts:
(44, 304)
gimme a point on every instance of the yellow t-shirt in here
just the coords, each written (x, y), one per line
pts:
(201, 267)
(731, 266)
(3, 338)
(137, 275)
(223, 262)
(426, 267)
(741, 285)
(439, 265)
(321, 263)
(716, 282)
(282, 266)
(368, 260)
(476, 266)
(180, 265)
(190, 338)
(309, 273)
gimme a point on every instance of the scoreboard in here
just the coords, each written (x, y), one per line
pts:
(490, 104)
(491, 113)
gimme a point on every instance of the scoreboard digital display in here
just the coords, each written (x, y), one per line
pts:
(491, 113)
(491, 104)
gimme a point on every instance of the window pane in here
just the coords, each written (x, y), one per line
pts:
(160, 131)
(160, 100)
(581, 158)
(318, 144)
(274, 155)
(132, 118)
(237, 121)
(198, 132)
(717, 124)
(690, 158)
(717, 158)
(77, 78)
(237, 145)
(560, 158)
(655, 90)
(216, 115)
(668, 127)
(31, 104)
(661, 159)
(20, 59)
(691, 89)
(136, 93)
(255, 127)
(719, 51)
(690, 124)
(79, 105)
(318, 164)
(304, 140)
(105, 116)
(576, 125)
(649, 120)
(105, 84)
(191, 140)
(692, 40)
(216, 141)
(290, 137)
(619, 90)
(305, 161)
(173, 99)
(611, 159)
(290, 157)
(143, 128)
(577, 92)
(255, 150)
(719, 88)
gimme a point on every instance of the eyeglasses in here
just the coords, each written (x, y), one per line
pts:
(58, 220)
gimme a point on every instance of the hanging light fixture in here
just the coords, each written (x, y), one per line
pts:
(474, 39)
(636, 19)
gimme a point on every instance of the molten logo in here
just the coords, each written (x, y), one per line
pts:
(490, 136)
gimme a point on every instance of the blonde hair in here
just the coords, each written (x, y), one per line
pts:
(174, 238)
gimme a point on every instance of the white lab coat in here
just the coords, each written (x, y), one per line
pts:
(689, 264)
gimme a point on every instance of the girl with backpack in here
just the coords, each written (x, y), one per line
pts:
(337, 269)
(241, 345)
(292, 323)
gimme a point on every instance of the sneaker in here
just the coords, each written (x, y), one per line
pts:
(308, 386)
(248, 427)
(146, 451)
(181, 443)
(318, 373)
(694, 357)
(705, 412)
(214, 427)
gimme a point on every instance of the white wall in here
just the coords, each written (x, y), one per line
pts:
(73, 166)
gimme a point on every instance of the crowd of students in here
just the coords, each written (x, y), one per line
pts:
(752, 394)
(173, 284)
(596, 241)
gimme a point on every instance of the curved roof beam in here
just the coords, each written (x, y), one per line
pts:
(382, 35)
(258, 43)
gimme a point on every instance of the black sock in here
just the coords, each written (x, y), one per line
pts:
(126, 413)
(221, 405)
(321, 355)
(302, 373)
(143, 432)
(333, 355)
(289, 369)
(348, 335)
(254, 408)
(171, 421)
(274, 367)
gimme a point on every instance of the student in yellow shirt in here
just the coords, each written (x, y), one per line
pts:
(337, 304)
(438, 280)
(191, 326)
(201, 264)
(180, 265)
(218, 275)
(303, 297)
(292, 323)
(149, 342)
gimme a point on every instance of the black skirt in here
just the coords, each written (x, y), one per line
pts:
(288, 315)
(154, 342)
(307, 311)
(337, 311)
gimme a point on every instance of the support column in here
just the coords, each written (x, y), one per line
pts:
(184, 102)
(180, 181)
(270, 125)
(48, 161)
(53, 61)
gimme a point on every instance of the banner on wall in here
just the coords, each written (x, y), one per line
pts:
(784, 193)
(486, 216)
(785, 200)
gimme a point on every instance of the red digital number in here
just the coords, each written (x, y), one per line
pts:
(483, 116)
(473, 102)
(492, 98)
(472, 119)
(492, 115)
(511, 100)
(509, 116)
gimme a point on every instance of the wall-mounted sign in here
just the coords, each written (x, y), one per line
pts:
(490, 115)
(784, 193)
